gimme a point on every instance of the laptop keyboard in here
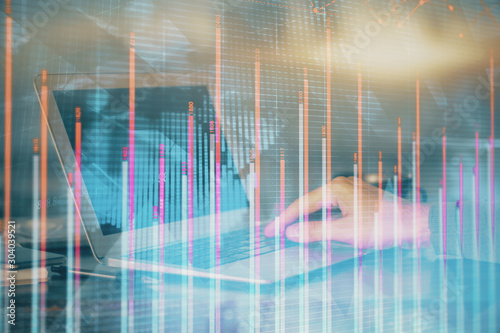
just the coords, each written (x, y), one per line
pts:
(235, 246)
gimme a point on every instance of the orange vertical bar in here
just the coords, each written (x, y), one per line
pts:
(43, 187)
(8, 112)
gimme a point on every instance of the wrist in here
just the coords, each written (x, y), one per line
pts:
(424, 232)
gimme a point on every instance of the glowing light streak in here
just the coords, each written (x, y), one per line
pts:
(218, 119)
(43, 191)
(78, 199)
(35, 297)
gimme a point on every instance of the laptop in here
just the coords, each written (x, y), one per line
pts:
(190, 211)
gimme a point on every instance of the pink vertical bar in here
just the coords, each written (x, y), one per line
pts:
(161, 196)
(78, 195)
(161, 305)
(190, 183)
(131, 174)
(444, 197)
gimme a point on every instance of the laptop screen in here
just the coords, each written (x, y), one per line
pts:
(162, 117)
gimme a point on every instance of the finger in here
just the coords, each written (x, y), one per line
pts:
(311, 203)
(336, 189)
(340, 230)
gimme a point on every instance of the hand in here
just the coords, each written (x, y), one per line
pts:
(340, 193)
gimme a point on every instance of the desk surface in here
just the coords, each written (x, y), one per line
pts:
(459, 295)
